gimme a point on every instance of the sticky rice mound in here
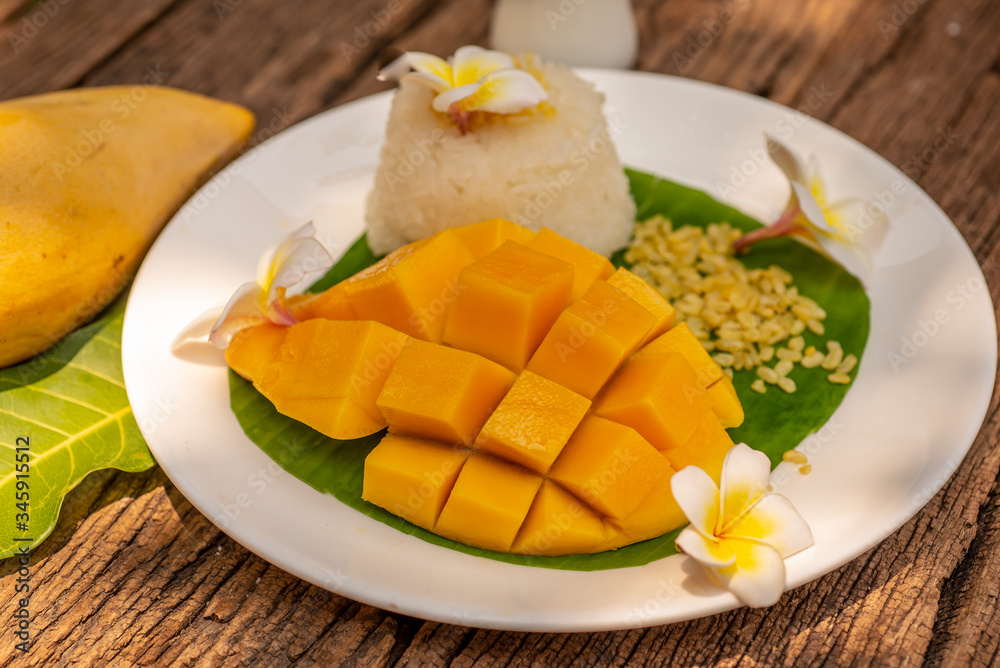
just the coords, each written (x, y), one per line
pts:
(554, 165)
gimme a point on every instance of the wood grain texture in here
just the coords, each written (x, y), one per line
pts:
(133, 575)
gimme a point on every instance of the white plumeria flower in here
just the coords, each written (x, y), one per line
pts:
(741, 533)
(849, 231)
(475, 79)
(282, 266)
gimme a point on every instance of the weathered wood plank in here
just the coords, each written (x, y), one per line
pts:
(53, 44)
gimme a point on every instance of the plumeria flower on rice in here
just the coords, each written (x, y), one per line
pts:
(742, 532)
(475, 79)
(282, 266)
(849, 231)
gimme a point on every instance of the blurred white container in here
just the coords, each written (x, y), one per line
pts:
(583, 33)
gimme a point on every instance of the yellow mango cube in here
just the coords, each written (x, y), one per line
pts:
(441, 393)
(485, 237)
(331, 304)
(253, 349)
(705, 448)
(649, 298)
(506, 303)
(411, 477)
(533, 422)
(609, 466)
(682, 341)
(725, 403)
(657, 514)
(412, 288)
(558, 523)
(588, 266)
(488, 503)
(658, 396)
(329, 373)
(591, 339)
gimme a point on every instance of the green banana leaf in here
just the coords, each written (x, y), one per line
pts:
(776, 421)
(68, 407)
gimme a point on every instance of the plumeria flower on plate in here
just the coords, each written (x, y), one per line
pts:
(282, 266)
(740, 532)
(849, 231)
(474, 79)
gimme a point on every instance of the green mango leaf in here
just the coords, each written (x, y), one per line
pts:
(776, 421)
(69, 405)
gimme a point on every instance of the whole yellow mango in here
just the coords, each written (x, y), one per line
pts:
(88, 177)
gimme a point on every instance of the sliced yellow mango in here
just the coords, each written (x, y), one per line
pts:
(591, 339)
(588, 266)
(441, 393)
(657, 514)
(559, 524)
(657, 395)
(682, 341)
(412, 288)
(331, 304)
(725, 403)
(705, 448)
(485, 237)
(506, 303)
(412, 478)
(488, 503)
(533, 422)
(253, 349)
(649, 298)
(329, 373)
(609, 466)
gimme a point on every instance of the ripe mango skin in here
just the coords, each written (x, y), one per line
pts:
(88, 177)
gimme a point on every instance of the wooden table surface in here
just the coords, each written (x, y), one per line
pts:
(133, 575)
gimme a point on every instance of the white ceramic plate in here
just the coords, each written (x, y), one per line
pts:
(898, 436)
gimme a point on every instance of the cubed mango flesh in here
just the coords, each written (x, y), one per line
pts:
(411, 477)
(657, 514)
(441, 393)
(485, 237)
(412, 288)
(657, 395)
(533, 422)
(649, 298)
(331, 304)
(705, 448)
(682, 341)
(591, 339)
(253, 349)
(609, 466)
(725, 403)
(506, 302)
(488, 503)
(329, 373)
(557, 524)
(588, 266)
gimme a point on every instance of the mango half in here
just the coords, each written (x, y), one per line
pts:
(548, 422)
(87, 179)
